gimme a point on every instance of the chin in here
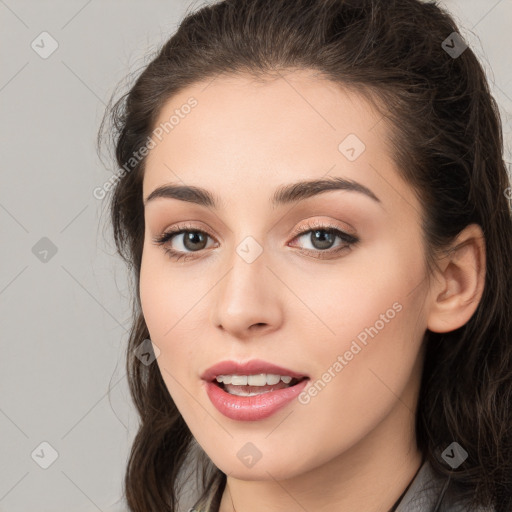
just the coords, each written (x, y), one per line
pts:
(265, 469)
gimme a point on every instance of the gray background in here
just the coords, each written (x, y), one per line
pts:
(65, 316)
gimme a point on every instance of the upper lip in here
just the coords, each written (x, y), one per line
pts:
(252, 367)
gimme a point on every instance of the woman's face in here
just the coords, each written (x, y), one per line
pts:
(260, 278)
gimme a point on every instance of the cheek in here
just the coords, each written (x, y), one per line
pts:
(163, 294)
(154, 301)
(171, 303)
(372, 326)
(162, 307)
(375, 279)
(360, 377)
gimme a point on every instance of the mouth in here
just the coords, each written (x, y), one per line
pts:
(253, 390)
(256, 384)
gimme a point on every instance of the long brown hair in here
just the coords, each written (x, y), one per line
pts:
(447, 143)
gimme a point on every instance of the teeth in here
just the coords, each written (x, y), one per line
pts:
(239, 380)
(262, 379)
(257, 380)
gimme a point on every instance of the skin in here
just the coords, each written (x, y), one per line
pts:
(353, 446)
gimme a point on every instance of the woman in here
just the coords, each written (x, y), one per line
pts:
(342, 338)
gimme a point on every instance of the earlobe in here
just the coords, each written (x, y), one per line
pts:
(460, 284)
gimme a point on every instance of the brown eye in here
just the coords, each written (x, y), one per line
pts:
(183, 241)
(193, 240)
(322, 239)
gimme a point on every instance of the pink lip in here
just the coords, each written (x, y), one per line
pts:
(252, 367)
(250, 408)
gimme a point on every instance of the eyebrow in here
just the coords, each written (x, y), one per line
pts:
(283, 195)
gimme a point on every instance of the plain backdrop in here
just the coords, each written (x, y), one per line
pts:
(64, 295)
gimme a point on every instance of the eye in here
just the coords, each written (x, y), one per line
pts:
(322, 237)
(194, 241)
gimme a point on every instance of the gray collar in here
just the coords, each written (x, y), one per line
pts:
(429, 492)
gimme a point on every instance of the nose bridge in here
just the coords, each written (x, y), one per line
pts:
(246, 280)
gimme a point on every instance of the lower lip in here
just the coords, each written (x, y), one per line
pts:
(252, 408)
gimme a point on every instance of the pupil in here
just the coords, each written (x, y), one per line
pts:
(194, 237)
(315, 237)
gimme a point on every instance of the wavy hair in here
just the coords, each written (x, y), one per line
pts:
(447, 143)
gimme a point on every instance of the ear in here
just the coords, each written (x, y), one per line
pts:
(460, 282)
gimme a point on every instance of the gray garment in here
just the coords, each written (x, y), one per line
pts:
(430, 493)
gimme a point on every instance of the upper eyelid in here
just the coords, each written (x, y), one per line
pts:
(311, 223)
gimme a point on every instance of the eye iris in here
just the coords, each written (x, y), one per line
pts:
(315, 237)
(193, 236)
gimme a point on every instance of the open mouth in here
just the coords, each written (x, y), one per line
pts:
(243, 394)
(244, 385)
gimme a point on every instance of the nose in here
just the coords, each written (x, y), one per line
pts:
(248, 298)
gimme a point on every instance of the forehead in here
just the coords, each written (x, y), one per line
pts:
(246, 135)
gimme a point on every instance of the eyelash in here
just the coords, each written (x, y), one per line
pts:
(349, 240)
